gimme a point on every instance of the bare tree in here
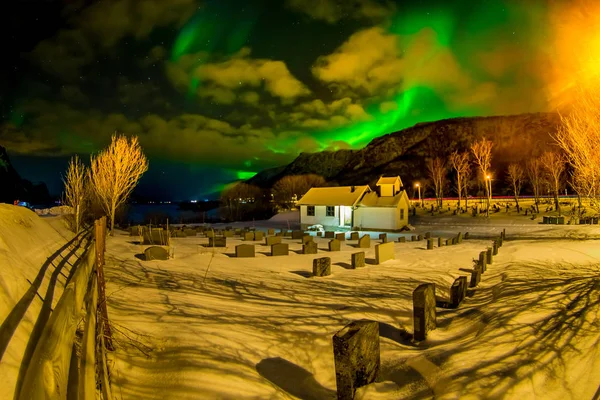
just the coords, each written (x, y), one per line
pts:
(235, 196)
(437, 173)
(115, 172)
(579, 137)
(553, 164)
(515, 176)
(482, 151)
(75, 189)
(467, 173)
(296, 186)
(536, 179)
(460, 163)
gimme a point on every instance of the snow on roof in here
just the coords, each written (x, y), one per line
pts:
(388, 180)
(333, 196)
(373, 200)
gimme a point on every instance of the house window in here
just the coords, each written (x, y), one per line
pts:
(402, 213)
(330, 212)
(310, 211)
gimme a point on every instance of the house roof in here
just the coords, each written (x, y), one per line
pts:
(388, 180)
(373, 200)
(333, 196)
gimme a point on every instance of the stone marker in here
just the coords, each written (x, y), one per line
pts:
(504, 233)
(466, 235)
(248, 236)
(244, 250)
(271, 240)
(424, 310)
(413, 238)
(402, 239)
(322, 266)
(280, 234)
(500, 241)
(270, 232)
(329, 234)
(429, 244)
(309, 247)
(495, 248)
(453, 241)
(190, 232)
(364, 242)
(420, 237)
(340, 236)
(358, 260)
(448, 242)
(490, 257)
(228, 233)
(209, 233)
(156, 253)
(320, 234)
(306, 239)
(156, 236)
(280, 249)
(427, 235)
(459, 238)
(384, 252)
(483, 261)
(287, 233)
(356, 356)
(137, 230)
(475, 277)
(334, 245)
(439, 242)
(353, 235)
(458, 291)
(217, 242)
(297, 234)
(383, 237)
(259, 235)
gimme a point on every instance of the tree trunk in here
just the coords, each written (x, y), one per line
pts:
(517, 201)
(77, 219)
(113, 208)
(557, 203)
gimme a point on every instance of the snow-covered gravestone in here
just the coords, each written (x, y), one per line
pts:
(424, 310)
(466, 235)
(271, 240)
(259, 235)
(482, 261)
(322, 266)
(402, 239)
(244, 250)
(280, 249)
(353, 235)
(297, 234)
(439, 242)
(413, 238)
(356, 356)
(340, 236)
(329, 234)
(459, 238)
(458, 291)
(334, 245)
(364, 242)
(156, 253)
(306, 239)
(427, 235)
(420, 237)
(228, 233)
(309, 247)
(489, 256)
(495, 247)
(383, 237)
(384, 252)
(429, 244)
(358, 260)
(476, 273)
(248, 236)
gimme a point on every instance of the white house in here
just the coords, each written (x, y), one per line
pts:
(357, 206)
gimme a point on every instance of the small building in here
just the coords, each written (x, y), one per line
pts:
(361, 207)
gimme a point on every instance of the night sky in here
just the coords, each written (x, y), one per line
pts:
(218, 90)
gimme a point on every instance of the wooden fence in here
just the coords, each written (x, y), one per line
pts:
(55, 370)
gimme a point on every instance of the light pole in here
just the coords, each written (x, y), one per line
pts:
(419, 189)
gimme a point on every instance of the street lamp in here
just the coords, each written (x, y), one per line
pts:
(419, 189)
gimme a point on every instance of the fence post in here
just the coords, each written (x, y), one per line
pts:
(100, 236)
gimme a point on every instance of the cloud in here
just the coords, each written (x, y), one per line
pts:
(332, 11)
(102, 26)
(319, 115)
(221, 81)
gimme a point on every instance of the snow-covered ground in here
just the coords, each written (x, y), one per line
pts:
(207, 325)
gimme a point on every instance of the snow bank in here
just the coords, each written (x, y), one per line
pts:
(58, 210)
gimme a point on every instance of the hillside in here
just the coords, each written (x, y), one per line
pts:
(403, 153)
(14, 187)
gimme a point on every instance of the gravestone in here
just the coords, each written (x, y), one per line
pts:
(306, 239)
(270, 232)
(453, 241)
(483, 261)
(217, 242)
(500, 241)
(439, 242)
(356, 357)
(309, 248)
(209, 233)
(248, 236)
(340, 236)
(190, 232)
(156, 253)
(429, 244)
(545, 219)
(504, 233)
(280, 249)
(402, 239)
(427, 235)
(364, 242)
(297, 234)
(322, 266)
(320, 234)
(244, 250)
(353, 235)
(156, 236)
(420, 237)
(466, 235)
(334, 245)
(228, 228)
(459, 238)
(288, 234)
(271, 240)
(560, 220)
(424, 310)
(228, 233)
(137, 230)
(458, 291)
(259, 235)
(413, 238)
(358, 260)
(475, 277)
(448, 242)
(495, 248)
(383, 237)
(490, 257)
(279, 234)
(329, 234)
(384, 252)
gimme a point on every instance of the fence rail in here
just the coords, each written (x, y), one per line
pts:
(55, 370)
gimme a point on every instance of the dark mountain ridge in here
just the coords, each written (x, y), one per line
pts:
(13, 187)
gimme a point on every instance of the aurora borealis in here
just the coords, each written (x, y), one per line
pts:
(218, 90)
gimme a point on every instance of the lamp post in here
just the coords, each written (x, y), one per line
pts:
(419, 189)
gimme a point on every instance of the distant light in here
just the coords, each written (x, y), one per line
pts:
(193, 201)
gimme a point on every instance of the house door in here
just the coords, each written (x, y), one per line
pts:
(347, 216)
